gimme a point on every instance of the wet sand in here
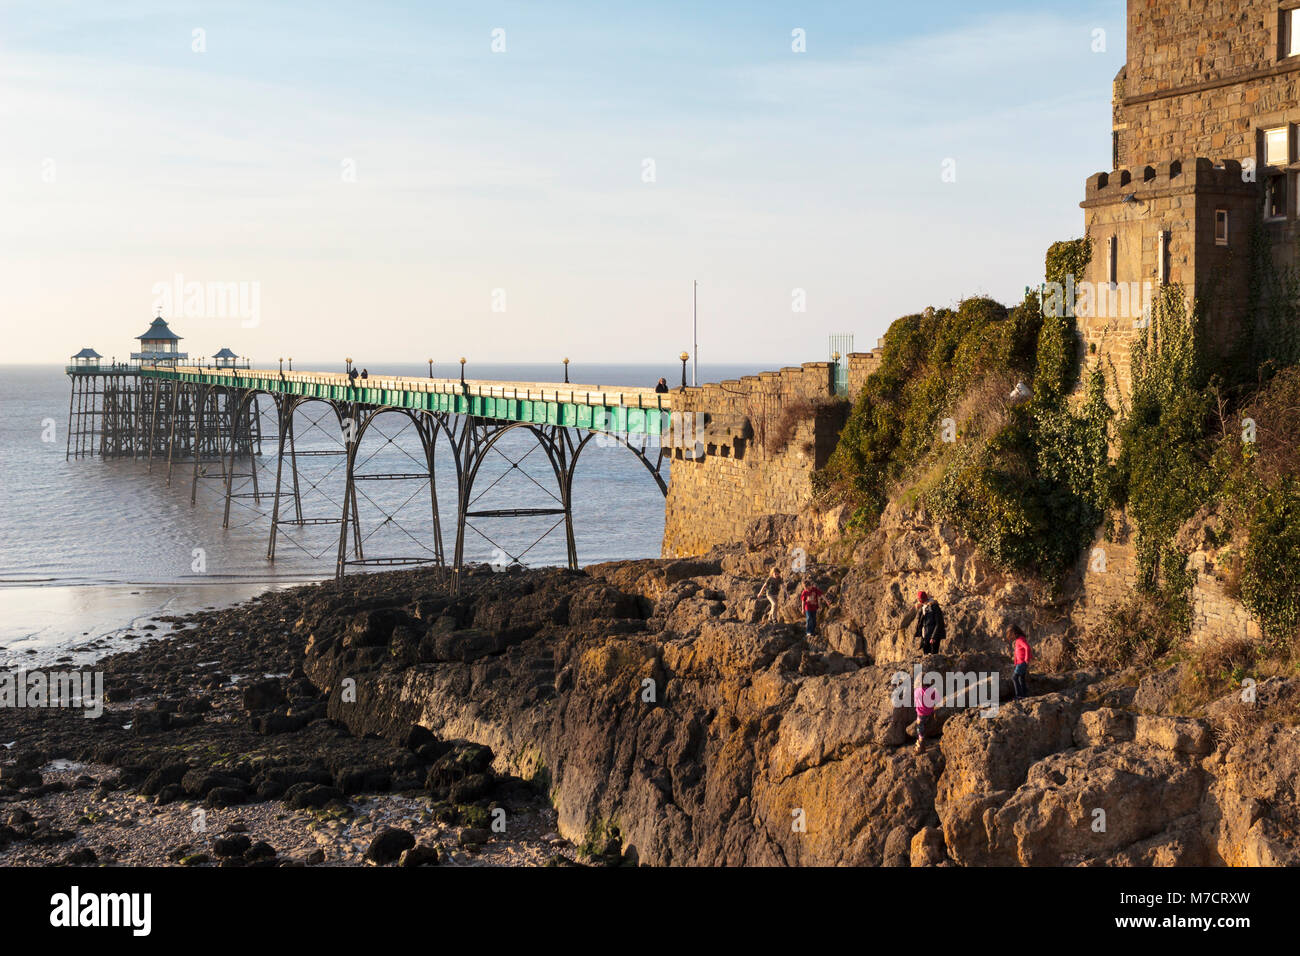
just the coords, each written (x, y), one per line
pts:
(41, 624)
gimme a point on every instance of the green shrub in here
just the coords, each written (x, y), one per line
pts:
(1270, 572)
(929, 361)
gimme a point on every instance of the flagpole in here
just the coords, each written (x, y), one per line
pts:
(695, 327)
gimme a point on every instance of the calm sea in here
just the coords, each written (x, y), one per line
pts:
(90, 548)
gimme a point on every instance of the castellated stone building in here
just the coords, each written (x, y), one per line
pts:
(1204, 149)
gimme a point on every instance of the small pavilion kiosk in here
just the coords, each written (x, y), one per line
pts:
(87, 360)
(159, 345)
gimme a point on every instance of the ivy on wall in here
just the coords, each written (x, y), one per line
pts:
(1029, 480)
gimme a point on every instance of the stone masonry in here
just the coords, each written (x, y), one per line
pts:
(1135, 220)
(1206, 88)
(757, 443)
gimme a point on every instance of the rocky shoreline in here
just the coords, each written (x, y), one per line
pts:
(639, 713)
(213, 749)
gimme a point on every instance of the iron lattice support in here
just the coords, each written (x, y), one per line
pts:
(562, 445)
(215, 428)
(355, 419)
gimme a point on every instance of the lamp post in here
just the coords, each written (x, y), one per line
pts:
(566, 371)
(430, 368)
(684, 356)
(462, 370)
(282, 366)
(349, 361)
(290, 363)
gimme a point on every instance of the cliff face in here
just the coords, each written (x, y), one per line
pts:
(655, 706)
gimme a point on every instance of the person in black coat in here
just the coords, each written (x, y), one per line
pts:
(929, 623)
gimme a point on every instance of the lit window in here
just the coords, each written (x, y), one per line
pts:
(1220, 227)
(1276, 147)
(1291, 33)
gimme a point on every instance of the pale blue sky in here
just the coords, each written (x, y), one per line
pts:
(130, 158)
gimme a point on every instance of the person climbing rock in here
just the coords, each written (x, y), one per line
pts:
(1021, 655)
(924, 700)
(929, 623)
(771, 590)
(810, 600)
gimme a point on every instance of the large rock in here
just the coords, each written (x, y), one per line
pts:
(986, 754)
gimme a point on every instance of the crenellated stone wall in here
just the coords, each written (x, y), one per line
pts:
(749, 448)
(1155, 226)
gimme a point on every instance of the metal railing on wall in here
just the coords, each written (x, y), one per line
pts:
(840, 347)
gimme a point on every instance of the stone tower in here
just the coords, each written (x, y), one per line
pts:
(1204, 146)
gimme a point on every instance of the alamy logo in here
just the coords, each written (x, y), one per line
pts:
(210, 300)
(949, 689)
(1106, 300)
(38, 690)
(73, 909)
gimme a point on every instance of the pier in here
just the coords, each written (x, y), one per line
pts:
(213, 421)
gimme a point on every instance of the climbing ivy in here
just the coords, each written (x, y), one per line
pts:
(1270, 574)
(1163, 472)
(1057, 362)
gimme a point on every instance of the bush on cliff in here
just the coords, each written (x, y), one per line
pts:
(1027, 481)
(1031, 495)
(930, 360)
(1030, 481)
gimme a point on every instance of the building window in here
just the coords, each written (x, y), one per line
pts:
(1220, 227)
(1277, 148)
(1289, 34)
(1275, 203)
(1162, 255)
(1112, 261)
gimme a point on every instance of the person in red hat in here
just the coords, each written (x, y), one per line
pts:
(929, 623)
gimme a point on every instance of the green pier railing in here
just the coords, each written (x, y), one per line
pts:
(631, 411)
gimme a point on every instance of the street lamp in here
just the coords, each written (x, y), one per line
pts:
(282, 366)
(430, 368)
(349, 361)
(684, 356)
(290, 363)
(566, 371)
(462, 370)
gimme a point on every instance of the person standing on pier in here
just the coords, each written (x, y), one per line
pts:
(662, 387)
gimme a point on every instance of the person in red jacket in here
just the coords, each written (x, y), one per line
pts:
(1021, 655)
(810, 599)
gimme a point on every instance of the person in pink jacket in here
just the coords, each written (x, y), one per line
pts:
(1021, 655)
(924, 700)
